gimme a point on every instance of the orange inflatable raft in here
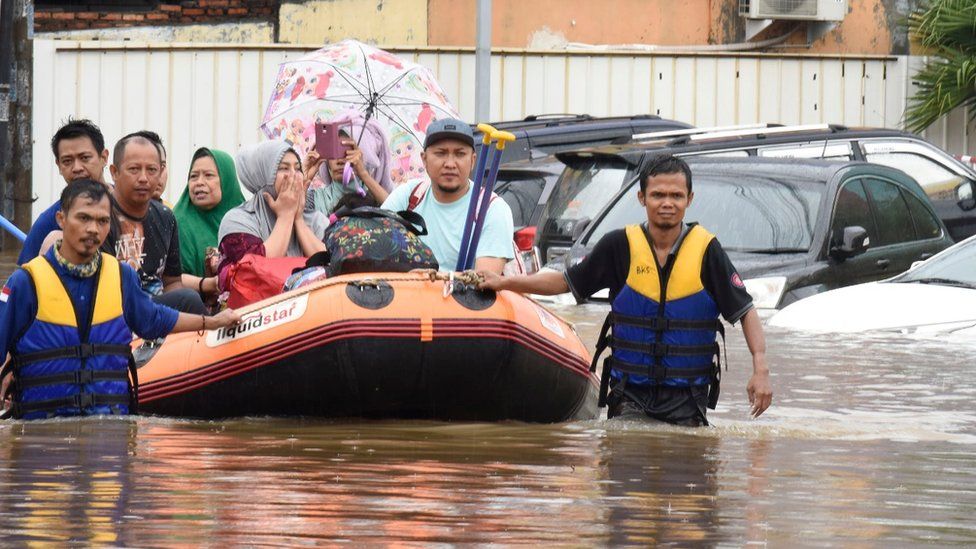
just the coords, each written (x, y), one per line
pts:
(394, 345)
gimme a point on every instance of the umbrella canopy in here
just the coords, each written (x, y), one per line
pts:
(402, 95)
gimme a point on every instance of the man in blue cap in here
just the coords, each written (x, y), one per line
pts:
(443, 201)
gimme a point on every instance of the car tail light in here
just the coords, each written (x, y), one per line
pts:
(524, 238)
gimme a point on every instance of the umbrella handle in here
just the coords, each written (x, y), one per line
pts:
(488, 185)
(487, 134)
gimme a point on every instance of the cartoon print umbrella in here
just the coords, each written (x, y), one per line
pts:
(402, 95)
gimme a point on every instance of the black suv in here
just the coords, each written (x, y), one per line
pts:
(539, 135)
(794, 228)
(593, 176)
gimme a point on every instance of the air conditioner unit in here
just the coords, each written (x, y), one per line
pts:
(804, 10)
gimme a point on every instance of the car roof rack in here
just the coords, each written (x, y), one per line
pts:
(555, 116)
(656, 136)
(762, 133)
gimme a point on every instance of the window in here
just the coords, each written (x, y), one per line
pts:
(891, 211)
(747, 212)
(937, 180)
(853, 210)
(823, 150)
(581, 192)
(926, 225)
(522, 196)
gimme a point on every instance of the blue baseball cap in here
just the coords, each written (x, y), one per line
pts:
(449, 128)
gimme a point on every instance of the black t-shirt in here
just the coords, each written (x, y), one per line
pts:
(608, 264)
(150, 244)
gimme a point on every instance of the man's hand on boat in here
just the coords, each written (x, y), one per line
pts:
(194, 323)
(541, 283)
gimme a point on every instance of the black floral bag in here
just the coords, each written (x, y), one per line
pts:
(368, 239)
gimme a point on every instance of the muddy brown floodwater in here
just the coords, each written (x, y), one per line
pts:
(870, 442)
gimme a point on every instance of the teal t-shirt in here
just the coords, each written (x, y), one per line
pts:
(445, 224)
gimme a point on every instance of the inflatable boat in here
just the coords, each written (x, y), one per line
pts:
(396, 345)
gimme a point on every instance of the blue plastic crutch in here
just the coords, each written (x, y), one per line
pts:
(12, 229)
(501, 138)
(487, 132)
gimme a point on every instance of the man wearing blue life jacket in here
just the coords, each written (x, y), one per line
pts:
(669, 282)
(80, 153)
(67, 318)
(443, 201)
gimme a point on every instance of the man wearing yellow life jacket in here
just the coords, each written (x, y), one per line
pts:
(669, 282)
(67, 318)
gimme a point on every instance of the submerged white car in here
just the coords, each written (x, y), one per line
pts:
(937, 296)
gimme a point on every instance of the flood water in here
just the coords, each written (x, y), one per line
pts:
(871, 441)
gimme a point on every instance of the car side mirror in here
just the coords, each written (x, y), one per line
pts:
(849, 242)
(964, 195)
(579, 227)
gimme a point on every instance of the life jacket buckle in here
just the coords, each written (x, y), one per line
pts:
(86, 350)
(84, 400)
(84, 377)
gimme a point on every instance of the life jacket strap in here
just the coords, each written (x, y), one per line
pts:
(602, 343)
(659, 324)
(77, 377)
(80, 401)
(82, 351)
(665, 349)
(660, 372)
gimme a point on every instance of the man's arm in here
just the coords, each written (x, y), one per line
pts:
(542, 283)
(187, 322)
(151, 320)
(759, 390)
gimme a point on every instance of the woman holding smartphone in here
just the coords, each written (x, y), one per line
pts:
(368, 154)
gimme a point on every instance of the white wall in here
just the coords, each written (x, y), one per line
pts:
(196, 95)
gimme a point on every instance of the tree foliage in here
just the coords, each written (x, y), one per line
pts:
(947, 28)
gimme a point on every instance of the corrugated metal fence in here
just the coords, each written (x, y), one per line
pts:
(196, 95)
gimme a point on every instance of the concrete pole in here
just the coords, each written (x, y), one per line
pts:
(20, 131)
(6, 69)
(482, 64)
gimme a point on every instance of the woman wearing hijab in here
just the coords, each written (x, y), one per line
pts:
(369, 156)
(211, 191)
(273, 223)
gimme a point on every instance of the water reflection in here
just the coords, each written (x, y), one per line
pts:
(869, 442)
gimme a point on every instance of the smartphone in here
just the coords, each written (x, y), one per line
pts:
(328, 141)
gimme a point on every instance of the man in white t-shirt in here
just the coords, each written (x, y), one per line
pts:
(449, 158)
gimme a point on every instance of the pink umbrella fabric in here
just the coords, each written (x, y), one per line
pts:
(403, 96)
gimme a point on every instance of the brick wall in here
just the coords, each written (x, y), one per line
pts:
(56, 16)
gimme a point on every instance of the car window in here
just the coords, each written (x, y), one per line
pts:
(935, 179)
(717, 154)
(891, 212)
(954, 264)
(926, 224)
(853, 210)
(581, 192)
(824, 150)
(746, 212)
(522, 196)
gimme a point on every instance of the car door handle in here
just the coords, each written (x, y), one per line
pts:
(883, 263)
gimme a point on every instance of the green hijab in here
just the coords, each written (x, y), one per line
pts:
(198, 228)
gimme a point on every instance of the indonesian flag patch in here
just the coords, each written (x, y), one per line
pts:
(4, 294)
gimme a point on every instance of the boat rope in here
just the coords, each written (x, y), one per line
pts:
(467, 278)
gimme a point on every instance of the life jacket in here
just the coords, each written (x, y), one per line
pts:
(68, 366)
(664, 323)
